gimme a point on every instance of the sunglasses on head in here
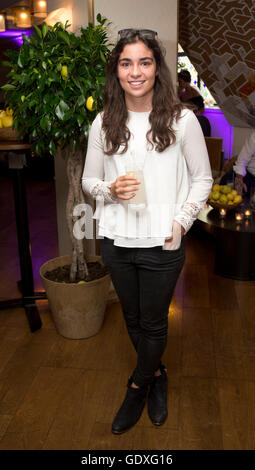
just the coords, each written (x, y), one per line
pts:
(146, 33)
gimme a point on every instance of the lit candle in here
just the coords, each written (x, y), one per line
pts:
(222, 212)
(247, 213)
(239, 217)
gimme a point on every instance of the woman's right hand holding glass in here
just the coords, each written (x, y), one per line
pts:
(123, 185)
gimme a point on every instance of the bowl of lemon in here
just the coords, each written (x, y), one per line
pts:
(6, 122)
(224, 197)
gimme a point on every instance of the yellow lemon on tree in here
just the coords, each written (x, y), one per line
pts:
(64, 71)
(91, 103)
(7, 121)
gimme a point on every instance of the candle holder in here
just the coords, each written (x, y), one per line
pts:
(247, 214)
(246, 223)
(238, 217)
(223, 213)
(222, 222)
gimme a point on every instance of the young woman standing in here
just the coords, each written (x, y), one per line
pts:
(143, 125)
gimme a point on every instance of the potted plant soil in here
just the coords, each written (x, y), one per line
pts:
(55, 90)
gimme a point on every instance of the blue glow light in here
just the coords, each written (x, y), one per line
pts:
(16, 34)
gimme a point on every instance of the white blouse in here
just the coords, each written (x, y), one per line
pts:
(177, 181)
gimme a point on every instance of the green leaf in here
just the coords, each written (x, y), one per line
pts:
(44, 65)
(8, 86)
(60, 114)
(77, 83)
(62, 35)
(64, 105)
(100, 80)
(52, 148)
(34, 133)
(61, 110)
(80, 119)
(49, 80)
(38, 31)
(102, 56)
(57, 133)
(44, 29)
(81, 100)
(45, 123)
(20, 61)
(6, 63)
(25, 38)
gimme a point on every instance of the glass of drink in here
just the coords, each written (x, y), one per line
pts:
(140, 194)
(134, 167)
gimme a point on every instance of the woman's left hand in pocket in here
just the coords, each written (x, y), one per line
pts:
(174, 242)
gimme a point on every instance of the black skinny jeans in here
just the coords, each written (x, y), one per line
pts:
(144, 279)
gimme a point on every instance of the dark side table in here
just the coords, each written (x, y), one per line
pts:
(17, 160)
(235, 243)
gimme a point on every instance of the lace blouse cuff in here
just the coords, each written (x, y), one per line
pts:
(188, 214)
(98, 190)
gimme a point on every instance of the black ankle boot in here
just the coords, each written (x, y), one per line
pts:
(131, 408)
(157, 398)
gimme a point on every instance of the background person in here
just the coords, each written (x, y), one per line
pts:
(199, 109)
(244, 168)
(186, 91)
(143, 120)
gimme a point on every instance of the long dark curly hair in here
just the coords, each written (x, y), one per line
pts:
(165, 105)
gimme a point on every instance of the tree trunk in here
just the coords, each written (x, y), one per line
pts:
(75, 196)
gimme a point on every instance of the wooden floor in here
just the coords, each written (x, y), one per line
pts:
(57, 393)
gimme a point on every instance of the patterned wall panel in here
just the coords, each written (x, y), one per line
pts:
(219, 38)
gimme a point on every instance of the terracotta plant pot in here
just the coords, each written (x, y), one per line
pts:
(77, 309)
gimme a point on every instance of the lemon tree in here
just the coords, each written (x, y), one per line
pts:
(50, 79)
